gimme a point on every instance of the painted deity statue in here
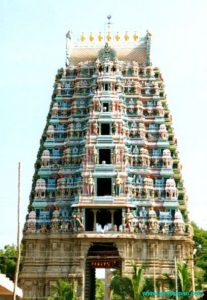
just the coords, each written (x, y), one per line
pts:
(165, 228)
(117, 185)
(143, 213)
(95, 155)
(55, 222)
(89, 185)
(78, 221)
(95, 127)
(131, 221)
(43, 228)
(116, 158)
(153, 223)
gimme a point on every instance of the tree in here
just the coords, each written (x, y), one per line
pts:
(138, 282)
(170, 283)
(184, 280)
(99, 289)
(128, 288)
(63, 290)
(121, 286)
(199, 277)
(8, 261)
(200, 238)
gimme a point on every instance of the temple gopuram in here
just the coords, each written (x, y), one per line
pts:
(107, 190)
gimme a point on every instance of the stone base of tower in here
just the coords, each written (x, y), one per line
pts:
(74, 257)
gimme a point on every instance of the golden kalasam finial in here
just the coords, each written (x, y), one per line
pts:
(108, 37)
(135, 36)
(126, 36)
(83, 37)
(91, 37)
(117, 37)
(100, 37)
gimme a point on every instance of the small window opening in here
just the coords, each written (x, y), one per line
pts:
(104, 186)
(106, 87)
(104, 156)
(105, 107)
(105, 129)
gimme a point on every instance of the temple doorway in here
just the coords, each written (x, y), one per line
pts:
(100, 256)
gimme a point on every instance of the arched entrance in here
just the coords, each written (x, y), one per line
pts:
(100, 255)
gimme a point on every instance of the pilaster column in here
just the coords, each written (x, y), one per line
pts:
(112, 217)
(94, 219)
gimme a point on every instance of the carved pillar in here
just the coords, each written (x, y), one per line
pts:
(144, 251)
(112, 217)
(94, 219)
(84, 217)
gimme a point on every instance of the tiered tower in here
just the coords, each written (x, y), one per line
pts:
(107, 188)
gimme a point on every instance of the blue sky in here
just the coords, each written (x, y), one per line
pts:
(32, 39)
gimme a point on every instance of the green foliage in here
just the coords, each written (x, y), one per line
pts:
(63, 290)
(121, 286)
(148, 286)
(8, 261)
(184, 280)
(127, 288)
(200, 238)
(199, 276)
(99, 289)
(138, 282)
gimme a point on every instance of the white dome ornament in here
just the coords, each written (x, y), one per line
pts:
(40, 188)
(45, 158)
(153, 222)
(179, 225)
(171, 192)
(31, 222)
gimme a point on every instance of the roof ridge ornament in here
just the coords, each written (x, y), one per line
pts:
(148, 48)
(68, 46)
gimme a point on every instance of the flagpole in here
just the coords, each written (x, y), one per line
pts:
(176, 279)
(18, 238)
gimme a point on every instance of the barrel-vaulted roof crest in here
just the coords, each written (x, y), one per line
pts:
(126, 46)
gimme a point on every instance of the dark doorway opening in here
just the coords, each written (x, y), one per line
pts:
(103, 186)
(105, 156)
(89, 217)
(118, 218)
(100, 256)
(105, 129)
(103, 217)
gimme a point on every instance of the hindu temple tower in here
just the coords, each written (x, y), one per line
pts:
(107, 189)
